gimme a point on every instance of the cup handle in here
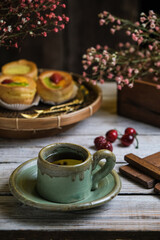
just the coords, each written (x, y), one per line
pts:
(105, 169)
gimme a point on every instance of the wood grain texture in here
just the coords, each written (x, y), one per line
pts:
(133, 214)
(124, 213)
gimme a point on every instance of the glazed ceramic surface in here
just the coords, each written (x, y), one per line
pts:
(23, 186)
(70, 183)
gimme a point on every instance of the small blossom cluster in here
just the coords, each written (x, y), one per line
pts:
(21, 18)
(133, 60)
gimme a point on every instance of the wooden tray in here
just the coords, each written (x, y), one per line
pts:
(13, 125)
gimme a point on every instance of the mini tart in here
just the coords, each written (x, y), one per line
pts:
(21, 67)
(56, 92)
(17, 89)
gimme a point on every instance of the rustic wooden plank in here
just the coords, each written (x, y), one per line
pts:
(128, 186)
(21, 150)
(123, 213)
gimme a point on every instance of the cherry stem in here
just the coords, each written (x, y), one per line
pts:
(137, 142)
(119, 134)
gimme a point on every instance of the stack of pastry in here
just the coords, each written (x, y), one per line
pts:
(19, 84)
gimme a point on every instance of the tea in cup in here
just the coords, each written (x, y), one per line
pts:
(65, 172)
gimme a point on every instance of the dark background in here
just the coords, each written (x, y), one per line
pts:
(64, 50)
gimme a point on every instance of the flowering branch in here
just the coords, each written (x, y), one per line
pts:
(130, 61)
(20, 18)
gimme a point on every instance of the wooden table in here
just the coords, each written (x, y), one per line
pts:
(133, 214)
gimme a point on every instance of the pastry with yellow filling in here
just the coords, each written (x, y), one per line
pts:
(56, 86)
(17, 89)
(21, 67)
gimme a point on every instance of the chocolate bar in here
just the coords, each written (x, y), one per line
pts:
(149, 165)
(137, 176)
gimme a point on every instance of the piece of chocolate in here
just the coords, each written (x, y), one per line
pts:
(137, 176)
(149, 165)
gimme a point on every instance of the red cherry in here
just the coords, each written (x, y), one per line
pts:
(98, 141)
(108, 146)
(112, 135)
(56, 78)
(127, 139)
(131, 131)
(7, 81)
(101, 143)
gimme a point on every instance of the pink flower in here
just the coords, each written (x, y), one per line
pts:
(119, 79)
(84, 74)
(119, 87)
(85, 67)
(110, 76)
(55, 30)
(105, 47)
(101, 81)
(89, 63)
(63, 5)
(128, 33)
(126, 81)
(112, 30)
(44, 34)
(152, 25)
(150, 70)
(94, 82)
(157, 64)
(119, 21)
(59, 18)
(101, 22)
(142, 19)
(150, 47)
(130, 70)
(16, 45)
(130, 85)
(155, 79)
(140, 40)
(158, 87)
(95, 68)
(98, 46)
(67, 19)
(134, 37)
(62, 26)
(105, 13)
(127, 44)
(137, 23)
(111, 18)
(120, 45)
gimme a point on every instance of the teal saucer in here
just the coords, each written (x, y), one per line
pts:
(22, 184)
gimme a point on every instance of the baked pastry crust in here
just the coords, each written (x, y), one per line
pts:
(21, 67)
(13, 94)
(63, 91)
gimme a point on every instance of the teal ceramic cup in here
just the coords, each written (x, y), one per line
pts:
(70, 183)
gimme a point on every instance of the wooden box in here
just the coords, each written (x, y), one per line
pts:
(142, 102)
